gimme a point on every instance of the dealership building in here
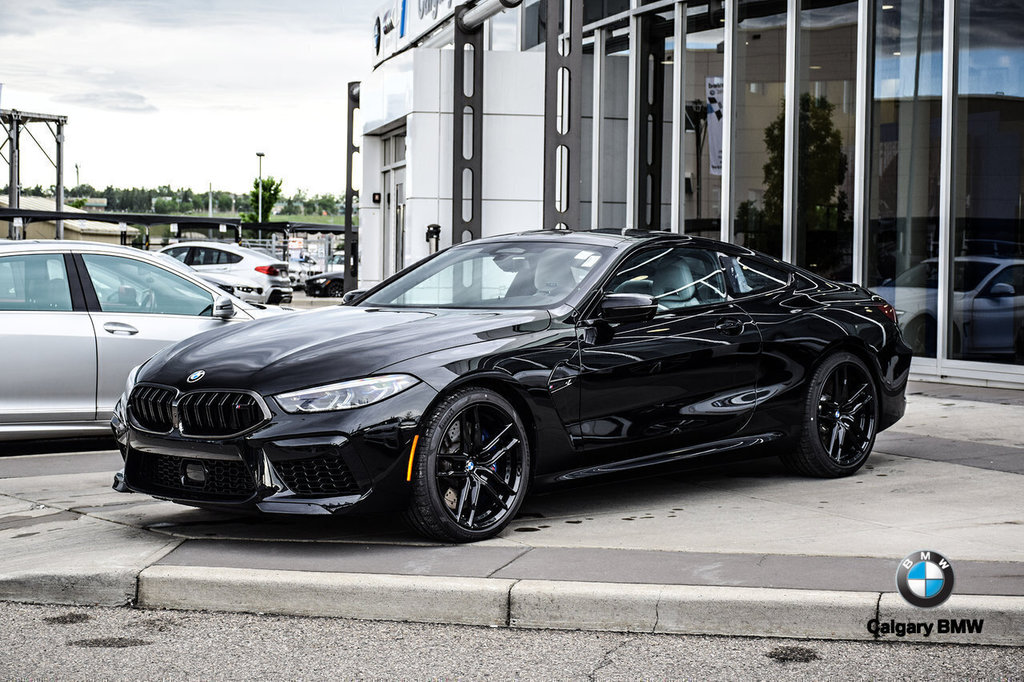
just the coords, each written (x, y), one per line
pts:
(874, 141)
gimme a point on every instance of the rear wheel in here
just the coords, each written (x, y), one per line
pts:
(471, 468)
(840, 419)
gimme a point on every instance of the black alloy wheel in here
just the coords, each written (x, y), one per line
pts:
(471, 468)
(840, 421)
(335, 289)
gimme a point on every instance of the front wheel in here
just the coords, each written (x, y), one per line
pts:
(840, 419)
(471, 468)
(335, 290)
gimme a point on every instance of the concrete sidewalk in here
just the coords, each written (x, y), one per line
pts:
(742, 550)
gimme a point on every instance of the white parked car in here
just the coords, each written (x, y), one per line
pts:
(268, 272)
(239, 287)
(76, 317)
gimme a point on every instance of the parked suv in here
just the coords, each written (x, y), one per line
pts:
(267, 272)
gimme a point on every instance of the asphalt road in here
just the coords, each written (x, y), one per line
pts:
(112, 644)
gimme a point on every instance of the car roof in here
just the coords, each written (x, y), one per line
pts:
(614, 238)
(65, 245)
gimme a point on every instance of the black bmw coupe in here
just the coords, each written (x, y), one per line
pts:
(451, 389)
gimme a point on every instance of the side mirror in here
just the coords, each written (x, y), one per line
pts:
(352, 296)
(628, 307)
(223, 308)
(1002, 289)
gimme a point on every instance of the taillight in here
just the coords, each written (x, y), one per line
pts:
(268, 270)
(888, 311)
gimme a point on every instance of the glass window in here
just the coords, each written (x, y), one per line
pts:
(753, 276)
(757, 145)
(180, 253)
(902, 245)
(127, 285)
(828, 75)
(675, 277)
(34, 282)
(988, 325)
(210, 256)
(702, 140)
(495, 275)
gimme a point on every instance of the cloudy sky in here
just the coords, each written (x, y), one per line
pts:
(185, 92)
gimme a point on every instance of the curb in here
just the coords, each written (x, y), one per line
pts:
(669, 609)
(72, 587)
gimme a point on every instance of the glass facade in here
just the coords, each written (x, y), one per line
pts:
(902, 245)
(986, 321)
(825, 137)
(757, 105)
(857, 138)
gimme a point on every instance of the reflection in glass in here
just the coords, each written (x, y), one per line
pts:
(757, 100)
(824, 184)
(702, 138)
(987, 322)
(902, 242)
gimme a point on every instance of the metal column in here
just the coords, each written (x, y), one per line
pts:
(563, 114)
(351, 234)
(650, 128)
(59, 164)
(467, 131)
(678, 171)
(14, 188)
(791, 150)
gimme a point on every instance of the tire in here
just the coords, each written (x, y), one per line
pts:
(920, 335)
(840, 419)
(464, 497)
(335, 290)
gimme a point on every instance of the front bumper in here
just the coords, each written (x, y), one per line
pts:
(324, 463)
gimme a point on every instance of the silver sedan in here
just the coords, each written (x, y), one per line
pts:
(76, 317)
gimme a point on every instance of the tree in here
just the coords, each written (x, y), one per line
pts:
(271, 193)
(821, 167)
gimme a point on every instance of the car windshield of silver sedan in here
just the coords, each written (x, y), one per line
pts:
(494, 275)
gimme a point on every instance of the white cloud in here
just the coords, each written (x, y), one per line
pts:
(185, 93)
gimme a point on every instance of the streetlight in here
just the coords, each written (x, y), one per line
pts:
(259, 216)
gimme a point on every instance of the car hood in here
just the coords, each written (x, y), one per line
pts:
(287, 352)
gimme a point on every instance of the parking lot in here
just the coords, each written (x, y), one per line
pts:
(745, 549)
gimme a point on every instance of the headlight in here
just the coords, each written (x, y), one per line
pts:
(346, 395)
(318, 280)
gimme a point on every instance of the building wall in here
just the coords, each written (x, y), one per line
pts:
(513, 145)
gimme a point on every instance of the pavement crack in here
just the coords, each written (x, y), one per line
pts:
(608, 659)
(508, 604)
(508, 563)
(657, 613)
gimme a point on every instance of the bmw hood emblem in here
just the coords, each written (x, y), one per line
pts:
(196, 376)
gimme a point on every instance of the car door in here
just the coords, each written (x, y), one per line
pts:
(997, 318)
(48, 340)
(684, 377)
(138, 308)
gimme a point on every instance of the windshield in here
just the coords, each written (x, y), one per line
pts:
(494, 275)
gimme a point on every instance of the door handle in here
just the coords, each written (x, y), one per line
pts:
(120, 328)
(729, 326)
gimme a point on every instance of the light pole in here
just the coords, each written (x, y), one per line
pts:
(259, 216)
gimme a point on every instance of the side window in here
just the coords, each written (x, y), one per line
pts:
(179, 253)
(34, 282)
(752, 276)
(676, 277)
(127, 285)
(203, 256)
(230, 257)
